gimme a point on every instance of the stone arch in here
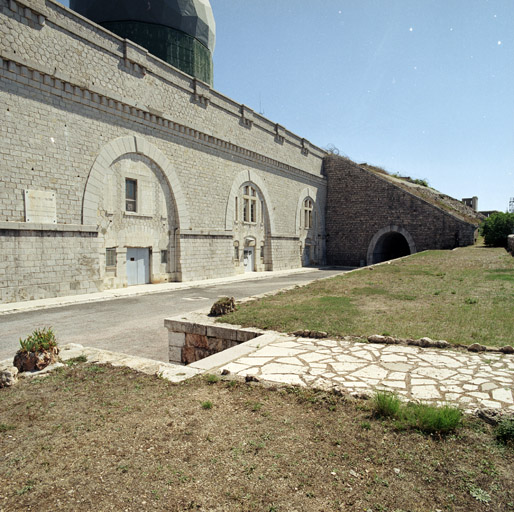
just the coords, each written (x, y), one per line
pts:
(242, 178)
(381, 235)
(114, 150)
(306, 193)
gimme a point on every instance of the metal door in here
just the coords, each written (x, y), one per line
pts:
(138, 265)
(249, 259)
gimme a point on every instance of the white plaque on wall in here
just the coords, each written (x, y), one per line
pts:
(40, 206)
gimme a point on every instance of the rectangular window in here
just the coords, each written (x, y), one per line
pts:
(110, 257)
(164, 256)
(262, 251)
(130, 195)
(236, 216)
(236, 252)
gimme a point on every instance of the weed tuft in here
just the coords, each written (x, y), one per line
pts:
(207, 404)
(385, 404)
(427, 418)
(432, 419)
(505, 431)
(76, 360)
(211, 378)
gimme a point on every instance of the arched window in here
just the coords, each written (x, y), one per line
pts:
(249, 204)
(307, 213)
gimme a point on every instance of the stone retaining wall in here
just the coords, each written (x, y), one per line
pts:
(362, 206)
(189, 342)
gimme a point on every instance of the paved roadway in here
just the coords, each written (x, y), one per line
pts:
(134, 325)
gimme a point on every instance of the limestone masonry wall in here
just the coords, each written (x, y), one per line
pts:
(362, 206)
(189, 342)
(82, 111)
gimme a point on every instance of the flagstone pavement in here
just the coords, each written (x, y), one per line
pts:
(470, 380)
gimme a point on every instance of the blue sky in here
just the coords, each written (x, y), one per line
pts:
(420, 87)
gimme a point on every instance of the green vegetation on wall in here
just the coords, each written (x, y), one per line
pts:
(177, 48)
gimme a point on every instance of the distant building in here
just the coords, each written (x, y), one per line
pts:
(472, 202)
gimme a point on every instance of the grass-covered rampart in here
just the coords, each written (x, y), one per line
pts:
(462, 296)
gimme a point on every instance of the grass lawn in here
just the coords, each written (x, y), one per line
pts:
(92, 437)
(462, 296)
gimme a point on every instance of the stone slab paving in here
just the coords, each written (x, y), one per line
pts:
(432, 375)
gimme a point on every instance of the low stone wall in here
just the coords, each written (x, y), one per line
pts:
(189, 342)
(510, 244)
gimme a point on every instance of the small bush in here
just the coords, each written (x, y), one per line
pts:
(39, 340)
(505, 431)
(496, 229)
(386, 404)
(207, 404)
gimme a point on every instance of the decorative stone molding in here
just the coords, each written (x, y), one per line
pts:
(202, 93)
(27, 11)
(310, 192)
(280, 134)
(135, 57)
(60, 84)
(112, 151)
(247, 116)
(305, 147)
(239, 180)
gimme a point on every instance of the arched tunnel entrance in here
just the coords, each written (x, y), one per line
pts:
(389, 243)
(390, 246)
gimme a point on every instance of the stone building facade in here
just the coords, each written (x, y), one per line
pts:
(136, 172)
(117, 169)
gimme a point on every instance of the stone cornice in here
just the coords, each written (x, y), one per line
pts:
(31, 73)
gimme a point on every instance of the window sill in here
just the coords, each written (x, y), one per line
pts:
(137, 214)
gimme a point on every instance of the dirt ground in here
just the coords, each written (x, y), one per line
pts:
(92, 437)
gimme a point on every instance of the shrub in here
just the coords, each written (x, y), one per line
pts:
(385, 404)
(505, 430)
(496, 229)
(40, 340)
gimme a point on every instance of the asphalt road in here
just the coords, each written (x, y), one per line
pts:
(133, 325)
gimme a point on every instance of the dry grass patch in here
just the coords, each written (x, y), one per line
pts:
(463, 296)
(93, 437)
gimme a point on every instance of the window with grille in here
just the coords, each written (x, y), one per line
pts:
(110, 257)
